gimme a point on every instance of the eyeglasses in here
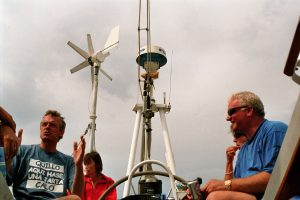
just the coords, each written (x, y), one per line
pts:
(231, 111)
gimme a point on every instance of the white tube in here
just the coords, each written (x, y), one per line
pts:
(133, 145)
(169, 152)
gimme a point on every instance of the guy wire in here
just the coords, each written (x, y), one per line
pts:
(148, 36)
(139, 50)
(148, 46)
(171, 73)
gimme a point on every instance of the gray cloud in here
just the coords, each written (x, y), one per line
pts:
(214, 48)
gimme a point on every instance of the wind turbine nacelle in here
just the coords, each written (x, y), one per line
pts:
(154, 59)
(95, 59)
(100, 56)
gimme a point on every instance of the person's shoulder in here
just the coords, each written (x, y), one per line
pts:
(276, 122)
(277, 125)
(64, 156)
(28, 147)
(87, 179)
(273, 128)
(27, 151)
(109, 179)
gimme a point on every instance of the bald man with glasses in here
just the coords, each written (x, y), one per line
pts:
(256, 158)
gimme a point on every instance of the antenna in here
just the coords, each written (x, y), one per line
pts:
(94, 59)
(151, 58)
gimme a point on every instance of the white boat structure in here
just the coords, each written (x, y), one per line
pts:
(284, 182)
(151, 58)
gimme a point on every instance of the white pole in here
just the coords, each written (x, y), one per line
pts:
(134, 142)
(93, 115)
(169, 152)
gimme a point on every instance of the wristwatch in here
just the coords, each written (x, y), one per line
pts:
(227, 183)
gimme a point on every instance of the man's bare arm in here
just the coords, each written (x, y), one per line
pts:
(252, 184)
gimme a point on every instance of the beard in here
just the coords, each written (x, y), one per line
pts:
(231, 129)
(235, 133)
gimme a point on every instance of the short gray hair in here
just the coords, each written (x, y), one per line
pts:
(250, 99)
(55, 113)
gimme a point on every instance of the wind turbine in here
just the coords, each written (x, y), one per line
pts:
(94, 59)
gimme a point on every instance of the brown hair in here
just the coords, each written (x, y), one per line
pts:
(55, 113)
(95, 156)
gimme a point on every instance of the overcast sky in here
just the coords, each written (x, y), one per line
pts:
(214, 48)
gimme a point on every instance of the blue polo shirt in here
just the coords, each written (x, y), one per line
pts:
(259, 154)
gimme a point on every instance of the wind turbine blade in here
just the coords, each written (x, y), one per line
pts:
(103, 72)
(80, 66)
(90, 44)
(79, 50)
(112, 40)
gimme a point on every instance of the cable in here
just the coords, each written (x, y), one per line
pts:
(171, 73)
(139, 52)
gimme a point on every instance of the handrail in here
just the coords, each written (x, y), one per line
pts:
(118, 182)
(171, 176)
